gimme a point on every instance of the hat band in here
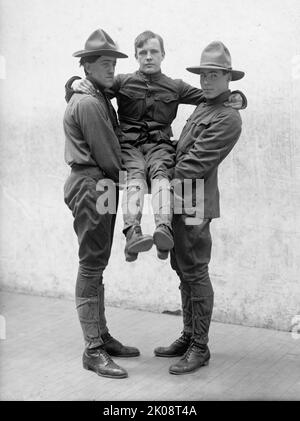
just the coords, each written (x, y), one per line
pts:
(215, 65)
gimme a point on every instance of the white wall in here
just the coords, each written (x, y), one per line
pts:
(255, 262)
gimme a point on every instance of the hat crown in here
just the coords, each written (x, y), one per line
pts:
(216, 55)
(100, 40)
(100, 43)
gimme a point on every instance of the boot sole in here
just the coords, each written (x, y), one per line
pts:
(190, 371)
(124, 356)
(121, 376)
(162, 241)
(168, 355)
(144, 244)
(158, 354)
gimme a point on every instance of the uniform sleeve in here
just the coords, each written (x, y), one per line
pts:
(100, 136)
(210, 148)
(188, 94)
(244, 98)
(68, 88)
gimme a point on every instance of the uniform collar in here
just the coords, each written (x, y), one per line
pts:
(218, 99)
(149, 78)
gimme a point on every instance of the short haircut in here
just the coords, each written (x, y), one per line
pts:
(88, 59)
(144, 37)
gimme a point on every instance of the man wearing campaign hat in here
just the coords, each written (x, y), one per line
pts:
(148, 101)
(93, 152)
(207, 138)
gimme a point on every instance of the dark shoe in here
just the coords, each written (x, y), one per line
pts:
(194, 358)
(176, 349)
(163, 238)
(136, 241)
(116, 349)
(99, 361)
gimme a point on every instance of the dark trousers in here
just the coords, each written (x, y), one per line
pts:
(190, 258)
(144, 164)
(95, 231)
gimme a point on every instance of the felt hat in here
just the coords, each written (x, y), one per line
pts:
(216, 56)
(99, 43)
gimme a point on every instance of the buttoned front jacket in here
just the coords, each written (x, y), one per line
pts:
(207, 138)
(91, 134)
(148, 104)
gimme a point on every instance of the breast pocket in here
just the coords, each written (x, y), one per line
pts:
(130, 103)
(195, 129)
(165, 107)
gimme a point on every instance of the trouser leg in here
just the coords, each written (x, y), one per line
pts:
(136, 186)
(133, 203)
(162, 201)
(95, 233)
(186, 304)
(202, 300)
(190, 258)
(89, 296)
(160, 161)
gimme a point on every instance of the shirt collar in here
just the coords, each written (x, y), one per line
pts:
(218, 99)
(149, 78)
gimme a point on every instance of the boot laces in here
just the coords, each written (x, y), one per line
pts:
(194, 347)
(138, 229)
(106, 357)
(188, 351)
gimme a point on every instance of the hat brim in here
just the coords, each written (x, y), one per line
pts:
(235, 74)
(109, 53)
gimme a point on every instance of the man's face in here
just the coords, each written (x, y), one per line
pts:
(102, 70)
(214, 82)
(150, 56)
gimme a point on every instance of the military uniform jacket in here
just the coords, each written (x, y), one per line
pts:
(148, 104)
(207, 138)
(91, 134)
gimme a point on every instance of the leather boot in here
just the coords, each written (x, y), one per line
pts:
(202, 311)
(137, 242)
(97, 360)
(110, 344)
(194, 358)
(187, 311)
(162, 204)
(198, 353)
(176, 349)
(89, 314)
(116, 349)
